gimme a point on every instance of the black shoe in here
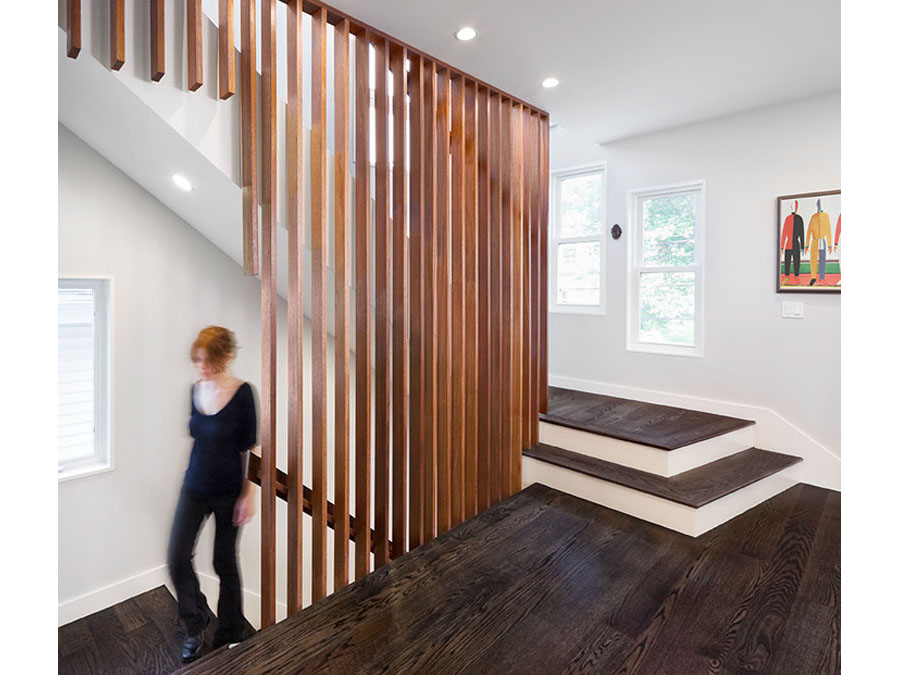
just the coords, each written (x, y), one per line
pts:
(190, 650)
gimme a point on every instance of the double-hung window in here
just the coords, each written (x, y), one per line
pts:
(83, 417)
(578, 245)
(665, 279)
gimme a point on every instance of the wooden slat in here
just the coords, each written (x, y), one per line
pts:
(73, 28)
(363, 302)
(498, 415)
(457, 289)
(442, 290)
(269, 307)
(470, 225)
(116, 34)
(157, 39)
(341, 305)
(525, 197)
(318, 297)
(506, 276)
(294, 192)
(485, 298)
(399, 334)
(382, 306)
(416, 354)
(226, 46)
(249, 150)
(515, 451)
(534, 198)
(429, 334)
(194, 30)
(544, 173)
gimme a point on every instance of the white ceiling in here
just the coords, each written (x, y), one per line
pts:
(628, 67)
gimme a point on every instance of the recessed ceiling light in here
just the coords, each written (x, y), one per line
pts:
(549, 83)
(466, 33)
(182, 182)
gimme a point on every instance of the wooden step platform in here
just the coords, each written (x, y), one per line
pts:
(695, 488)
(658, 426)
(548, 583)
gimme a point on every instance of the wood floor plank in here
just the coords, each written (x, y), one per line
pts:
(659, 426)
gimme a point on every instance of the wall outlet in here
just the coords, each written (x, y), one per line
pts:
(791, 309)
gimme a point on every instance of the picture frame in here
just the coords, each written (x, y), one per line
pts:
(808, 230)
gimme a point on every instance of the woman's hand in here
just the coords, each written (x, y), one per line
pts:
(243, 511)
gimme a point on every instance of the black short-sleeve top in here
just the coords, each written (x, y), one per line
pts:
(215, 469)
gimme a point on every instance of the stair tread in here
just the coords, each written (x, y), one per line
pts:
(659, 426)
(694, 488)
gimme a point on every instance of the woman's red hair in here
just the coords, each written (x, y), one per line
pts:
(219, 344)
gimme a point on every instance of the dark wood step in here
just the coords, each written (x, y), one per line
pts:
(659, 426)
(694, 488)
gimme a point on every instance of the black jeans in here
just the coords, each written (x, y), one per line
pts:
(189, 516)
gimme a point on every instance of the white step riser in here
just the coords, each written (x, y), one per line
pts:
(678, 517)
(644, 457)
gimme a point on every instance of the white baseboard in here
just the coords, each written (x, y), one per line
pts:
(94, 601)
(820, 466)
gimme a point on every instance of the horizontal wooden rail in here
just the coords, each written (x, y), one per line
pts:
(281, 491)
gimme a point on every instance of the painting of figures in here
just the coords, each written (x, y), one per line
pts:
(809, 243)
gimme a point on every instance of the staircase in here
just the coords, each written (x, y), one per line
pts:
(686, 470)
(141, 635)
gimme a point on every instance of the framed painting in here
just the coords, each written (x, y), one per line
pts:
(809, 243)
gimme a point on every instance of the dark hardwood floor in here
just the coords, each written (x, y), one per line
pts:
(138, 636)
(548, 583)
(658, 426)
(694, 488)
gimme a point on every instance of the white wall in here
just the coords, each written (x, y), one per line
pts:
(752, 355)
(169, 281)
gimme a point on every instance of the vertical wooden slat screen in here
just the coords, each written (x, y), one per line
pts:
(486, 423)
(499, 415)
(454, 356)
(294, 188)
(515, 455)
(363, 302)
(416, 354)
(249, 157)
(226, 45)
(399, 299)
(269, 306)
(470, 299)
(116, 34)
(382, 305)
(457, 316)
(318, 298)
(506, 411)
(429, 339)
(157, 39)
(442, 289)
(341, 304)
(194, 30)
(73, 28)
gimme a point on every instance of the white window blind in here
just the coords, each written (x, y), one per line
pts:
(82, 415)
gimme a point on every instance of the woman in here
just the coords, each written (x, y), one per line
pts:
(223, 425)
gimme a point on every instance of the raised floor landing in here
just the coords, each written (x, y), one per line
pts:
(549, 583)
(659, 426)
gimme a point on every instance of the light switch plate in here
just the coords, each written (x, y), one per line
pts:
(792, 309)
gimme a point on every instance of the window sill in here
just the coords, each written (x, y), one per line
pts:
(89, 468)
(578, 309)
(664, 350)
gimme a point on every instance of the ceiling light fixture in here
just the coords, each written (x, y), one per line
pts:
(466, 33)
(182, 182)
(549, 83)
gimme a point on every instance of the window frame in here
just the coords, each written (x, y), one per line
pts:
(557, 177)
(636, 267)
(102, 459)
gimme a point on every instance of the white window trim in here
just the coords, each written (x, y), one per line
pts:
(552, 249)
(103, 461)
(632, 310)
